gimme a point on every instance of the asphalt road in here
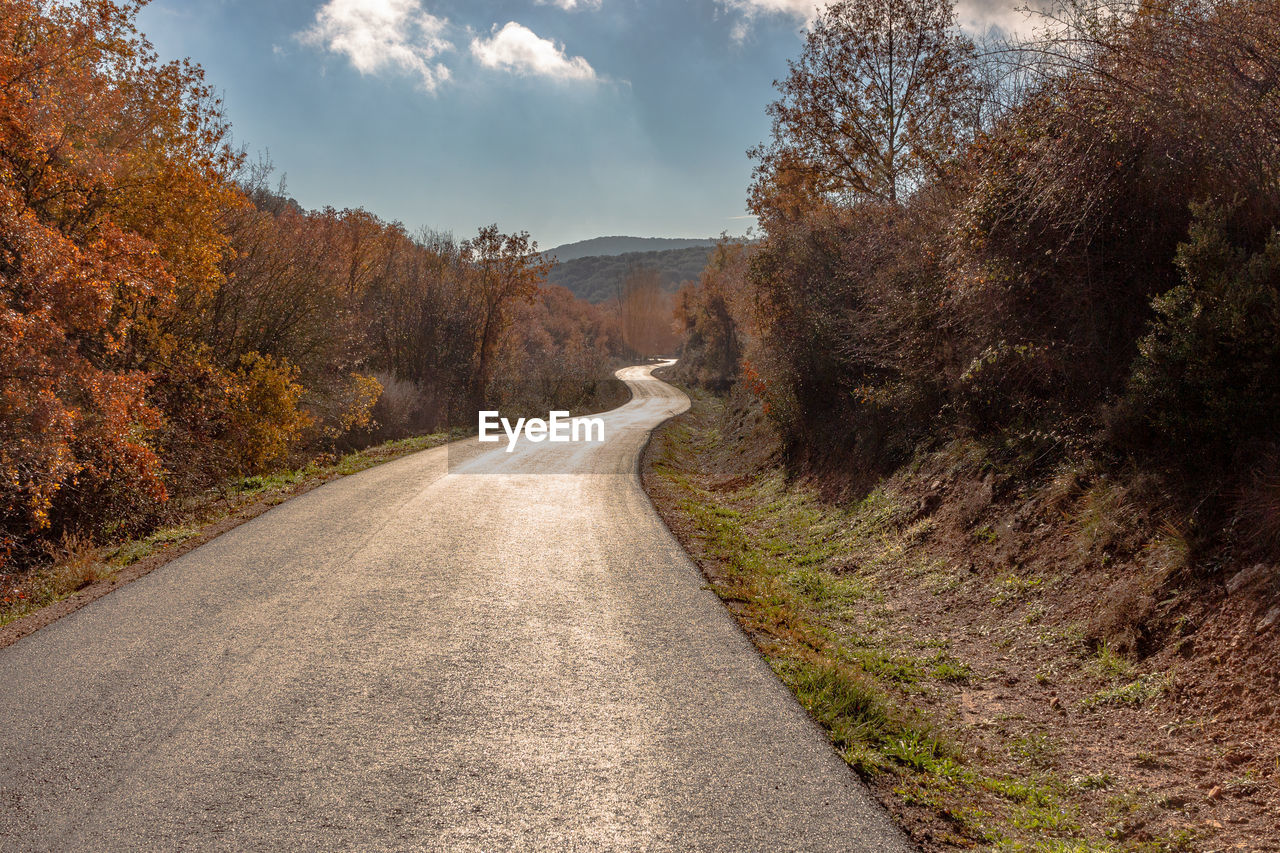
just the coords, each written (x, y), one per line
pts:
(514, 656)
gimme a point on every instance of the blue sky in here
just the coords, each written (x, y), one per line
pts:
(566, 118)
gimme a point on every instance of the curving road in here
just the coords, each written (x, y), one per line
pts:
(516, 655)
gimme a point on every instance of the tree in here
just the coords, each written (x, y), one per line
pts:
(111, 183)
(506, 269)
(711, 352)
(877, 101)
(645, 312)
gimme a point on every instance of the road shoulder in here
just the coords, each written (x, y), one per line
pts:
(85, 575)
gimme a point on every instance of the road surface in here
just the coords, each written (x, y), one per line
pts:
(515, 656)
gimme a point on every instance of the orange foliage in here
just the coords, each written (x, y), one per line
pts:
(110, 168)
(646, 314)
(264, 412)
(166, 321)
(505, 271)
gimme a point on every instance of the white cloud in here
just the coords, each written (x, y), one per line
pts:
(978, 16)
(518, 49)
(745, 12)
(803, 9)
(383, 35)
(974, 16)
(570, 5)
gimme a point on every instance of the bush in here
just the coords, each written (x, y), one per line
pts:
(266, 420)
(711, 352)
(404, 408)
(194, 441)
(343, 414)
(851, 352)
(1205, 380)
(116, 488)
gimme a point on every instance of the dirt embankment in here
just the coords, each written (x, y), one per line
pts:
(1014, 663)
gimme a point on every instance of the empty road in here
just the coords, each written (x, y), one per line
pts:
(507, 653)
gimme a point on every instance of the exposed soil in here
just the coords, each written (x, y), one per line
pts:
(1089, 657)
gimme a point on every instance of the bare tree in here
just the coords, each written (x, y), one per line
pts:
(646, 313)
(880, 97)
(506, 269)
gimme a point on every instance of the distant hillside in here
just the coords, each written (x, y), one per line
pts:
(620, 245)
(599, 278)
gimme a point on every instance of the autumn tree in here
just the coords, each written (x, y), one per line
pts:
(504, 270)
(111, 184)
(877, 100)
(711, 350)
(558, 355)
(645, 312)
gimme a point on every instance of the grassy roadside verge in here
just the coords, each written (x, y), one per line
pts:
(82, 571)
(841, 599)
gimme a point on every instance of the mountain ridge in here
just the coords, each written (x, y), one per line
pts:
(599, 278)
(620, 245)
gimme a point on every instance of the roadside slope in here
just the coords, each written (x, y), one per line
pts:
(946, 631)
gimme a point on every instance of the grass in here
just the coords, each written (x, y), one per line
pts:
(131, 551)
(78, 563)
(805, 576)
(1108, 663)
(944, 667)
(862, 724)
(1132, 693)
(1036, 750)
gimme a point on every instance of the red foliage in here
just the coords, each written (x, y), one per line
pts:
(91, 129)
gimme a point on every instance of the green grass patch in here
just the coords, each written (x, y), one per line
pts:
(1133, 693)
(944, 667)
(866, 729)
(1108, 663)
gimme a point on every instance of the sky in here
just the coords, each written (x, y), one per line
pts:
(569, 119)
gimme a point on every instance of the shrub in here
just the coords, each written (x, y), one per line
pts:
(343, 413)
(851, 347)
(194, 440)
(265, 417)
(1204, 381)
(711, 352)
(116, 487)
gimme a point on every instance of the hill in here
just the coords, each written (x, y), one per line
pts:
(599, 278)
(622, 245)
